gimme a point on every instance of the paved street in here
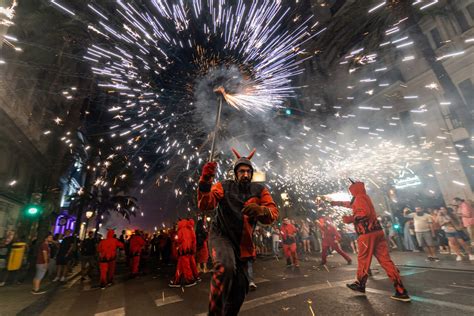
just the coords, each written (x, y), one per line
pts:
(444, 288)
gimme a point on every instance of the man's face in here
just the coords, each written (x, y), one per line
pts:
(418, 209)
(456, 202)
(90, 234)
(67, 233)
(244, 174)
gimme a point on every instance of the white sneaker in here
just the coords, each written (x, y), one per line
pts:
(471, 257)
(458, 258)
(56, 279)
(63, 279)
(253, 286)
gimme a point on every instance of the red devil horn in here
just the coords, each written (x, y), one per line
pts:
(251, 154)
(237, 155)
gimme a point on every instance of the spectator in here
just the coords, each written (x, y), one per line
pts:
(88, 256)
(202, 251)
(424, 232)
(351, 235)
(440, 234)
(54, 248)
(304, 230)
(64, 256)
(42, 260)
(466, 210)
(455, 233)
(409, 233)
(275, 240)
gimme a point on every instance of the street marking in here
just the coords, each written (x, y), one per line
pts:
(168, 300)
(260, 280)
(465, 308)
(439, 291)
(114, 312)
(463, 286)
(257, 302)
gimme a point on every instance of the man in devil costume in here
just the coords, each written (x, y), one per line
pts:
(107, 252)
(288, 237)
(371, 241)
(136, 246)
(185, 270)
(240, 204)
(330, 240)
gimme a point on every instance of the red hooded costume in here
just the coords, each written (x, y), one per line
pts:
(288, 237)
(186, 270)
(136, 245)
(107, 252)
(371, 240)
(331, 237)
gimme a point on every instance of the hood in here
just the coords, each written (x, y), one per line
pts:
(182, 223)
(357, 188)
(110, 233)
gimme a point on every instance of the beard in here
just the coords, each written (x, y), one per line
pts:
(244, 184)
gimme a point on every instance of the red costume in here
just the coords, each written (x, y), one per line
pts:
(331, 237)
(186, 270)
(107, 252)
(136, 246)
(371, 241)
(288, 237)
(240, 204)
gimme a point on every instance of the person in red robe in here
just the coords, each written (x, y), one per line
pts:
(107, 250)
(186, 272)
(331, 239)
(288, 236)
(137, 243)
(371, 241)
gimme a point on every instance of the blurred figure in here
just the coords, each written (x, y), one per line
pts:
(88, 255)
(186, 243)
(288, 237)
(331, 238)
(443, 242)
(107, 258)
(455, 233)
(466, 211)
(424, 230)
(202, 251)
(136, 246)
(351, 236)
(42, 261)
(64, 256)
(304, 230)
(275, 240)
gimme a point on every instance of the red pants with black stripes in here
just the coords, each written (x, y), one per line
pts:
(135, 263)
(229, 282)
(375, 244)
(331, 243)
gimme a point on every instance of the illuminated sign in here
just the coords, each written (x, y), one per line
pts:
(406, 178)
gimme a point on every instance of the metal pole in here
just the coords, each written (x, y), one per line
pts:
(216, 128)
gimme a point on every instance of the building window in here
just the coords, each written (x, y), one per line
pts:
(470, 10)
(462, 21)
(467, 91)
(436, 37)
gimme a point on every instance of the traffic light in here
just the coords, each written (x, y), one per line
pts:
(288, 112)
(32, 210)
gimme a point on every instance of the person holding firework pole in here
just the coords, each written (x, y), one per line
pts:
(371, 241)
(240, 204)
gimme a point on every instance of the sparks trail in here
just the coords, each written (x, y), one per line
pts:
(163, 59)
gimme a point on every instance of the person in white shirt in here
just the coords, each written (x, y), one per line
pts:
(424, 232)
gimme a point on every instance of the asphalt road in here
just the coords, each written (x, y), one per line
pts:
(312, 291)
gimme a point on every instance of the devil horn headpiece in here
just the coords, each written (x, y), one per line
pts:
(238, 156)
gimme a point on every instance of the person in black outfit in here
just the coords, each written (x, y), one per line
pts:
(65, 254)
(88, 255)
